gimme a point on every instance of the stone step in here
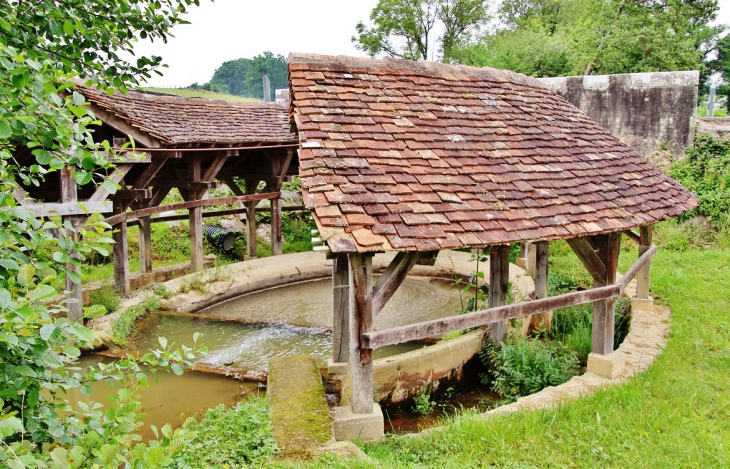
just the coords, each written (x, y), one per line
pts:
(298, 406)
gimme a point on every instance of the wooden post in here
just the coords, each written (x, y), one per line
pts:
(642, 279)
(74, 294)
(195, 218)
(145, 245)
(119, 253)
(541, 320)
(251, 185)
(340, 309)
(498, 288)
(276, 239)
(604, 311)
(361, 322)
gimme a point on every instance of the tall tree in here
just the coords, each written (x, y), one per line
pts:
(273, 66)
(230, 77)
(406, 28)
(721, 65)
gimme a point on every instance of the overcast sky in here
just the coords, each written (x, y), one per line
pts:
(232, 29)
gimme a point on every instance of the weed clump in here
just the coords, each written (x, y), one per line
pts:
(520, 367)
(236, 437)
(107, 296)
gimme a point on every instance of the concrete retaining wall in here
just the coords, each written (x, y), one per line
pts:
(644, 110)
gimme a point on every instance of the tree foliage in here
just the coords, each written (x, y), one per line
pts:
(575, 37)
(44, 47)
(244, 77)
(406, 28)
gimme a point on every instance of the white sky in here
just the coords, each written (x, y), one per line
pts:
(232, 29)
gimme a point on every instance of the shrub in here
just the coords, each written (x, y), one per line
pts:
(423, 404)
(706, 172)
(107, 296)
(238, 437)
(520, 367)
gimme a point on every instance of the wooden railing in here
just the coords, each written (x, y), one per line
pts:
(372, 340)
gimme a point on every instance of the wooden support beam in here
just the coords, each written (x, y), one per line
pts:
(251, 185)
(587, 255)
(158, 195)
(212, 171)
(392, 278)
(134, 194)
(642, 280)
(118, 218)
(123, 127)
(340, 309)
(498, 288)
(541, 321)
(436, 327)
(217, 213)
(604, 311)
(195, 186)
(196, 218)
(145, 244)
(361, 322)
(117, 176)
(74, 302)
(276, 234)
(633, 236)
(120, 254)
(638, 266)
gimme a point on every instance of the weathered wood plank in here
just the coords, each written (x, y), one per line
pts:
(73, 289)
(392, 278)
(340, 309)
(251, 186)
(643, 261)
(196, 217)
(217, 213)
(361, 323)
(645, 244)
(134, 194)
(633, 236)
(604, 311)
(187, 185)
(587, 255)
(116, 219)
(541, 320)
(117, 176)
(436, 327)
(276, 237)
(69, 208)
(120, 255)
(145, 245)
(498, 288)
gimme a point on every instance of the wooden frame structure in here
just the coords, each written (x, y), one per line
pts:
(357, 298)
(164, 158)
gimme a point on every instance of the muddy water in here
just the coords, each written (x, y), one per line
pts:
(169, 396)
(309, 304)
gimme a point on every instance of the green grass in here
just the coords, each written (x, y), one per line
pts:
(677, 414)
(191, 93)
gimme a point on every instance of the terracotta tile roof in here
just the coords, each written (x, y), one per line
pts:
(399, 155)
(179, 120)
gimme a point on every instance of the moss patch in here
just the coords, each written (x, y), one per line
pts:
(298, 405)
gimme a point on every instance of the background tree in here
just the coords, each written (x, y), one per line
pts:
(230, 77)
(406, 28)
(273, 66)
(721, 65)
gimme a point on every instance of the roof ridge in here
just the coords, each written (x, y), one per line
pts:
(434, 67)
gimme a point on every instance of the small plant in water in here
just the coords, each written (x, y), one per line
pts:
(423, 404)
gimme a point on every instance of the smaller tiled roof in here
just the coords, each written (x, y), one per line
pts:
(180, 120)
(401, 155)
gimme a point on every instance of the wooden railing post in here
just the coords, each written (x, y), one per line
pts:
(195, 217)
(361, 322)
(276, 239)
(498, 288)
(120, 252)
(541, 320)
(604, 311)
(145, 244)
(251, 185)
(74, 293)
(340, 309)
(642, 279)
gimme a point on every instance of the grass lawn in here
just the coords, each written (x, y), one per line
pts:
(191, 93)
(677, 414)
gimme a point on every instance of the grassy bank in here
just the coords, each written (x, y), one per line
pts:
(675, 415)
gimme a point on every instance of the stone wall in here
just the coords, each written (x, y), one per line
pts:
(649, 111)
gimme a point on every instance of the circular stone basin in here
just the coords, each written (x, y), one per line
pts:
(247, 331)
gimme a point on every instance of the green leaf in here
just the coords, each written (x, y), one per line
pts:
(177, 369)
(47, 331)
(86, 390)
(5, 130)
(162, 341)
(42, 292)
(111, 186)
(43, 157)
(68, 28)
(9, 264)
(78, 98)
(82, 178)
(107, 453)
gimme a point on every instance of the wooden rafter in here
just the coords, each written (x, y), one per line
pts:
(392, 278)
(587, 255)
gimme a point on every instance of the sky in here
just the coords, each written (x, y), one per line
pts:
(232, 29)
